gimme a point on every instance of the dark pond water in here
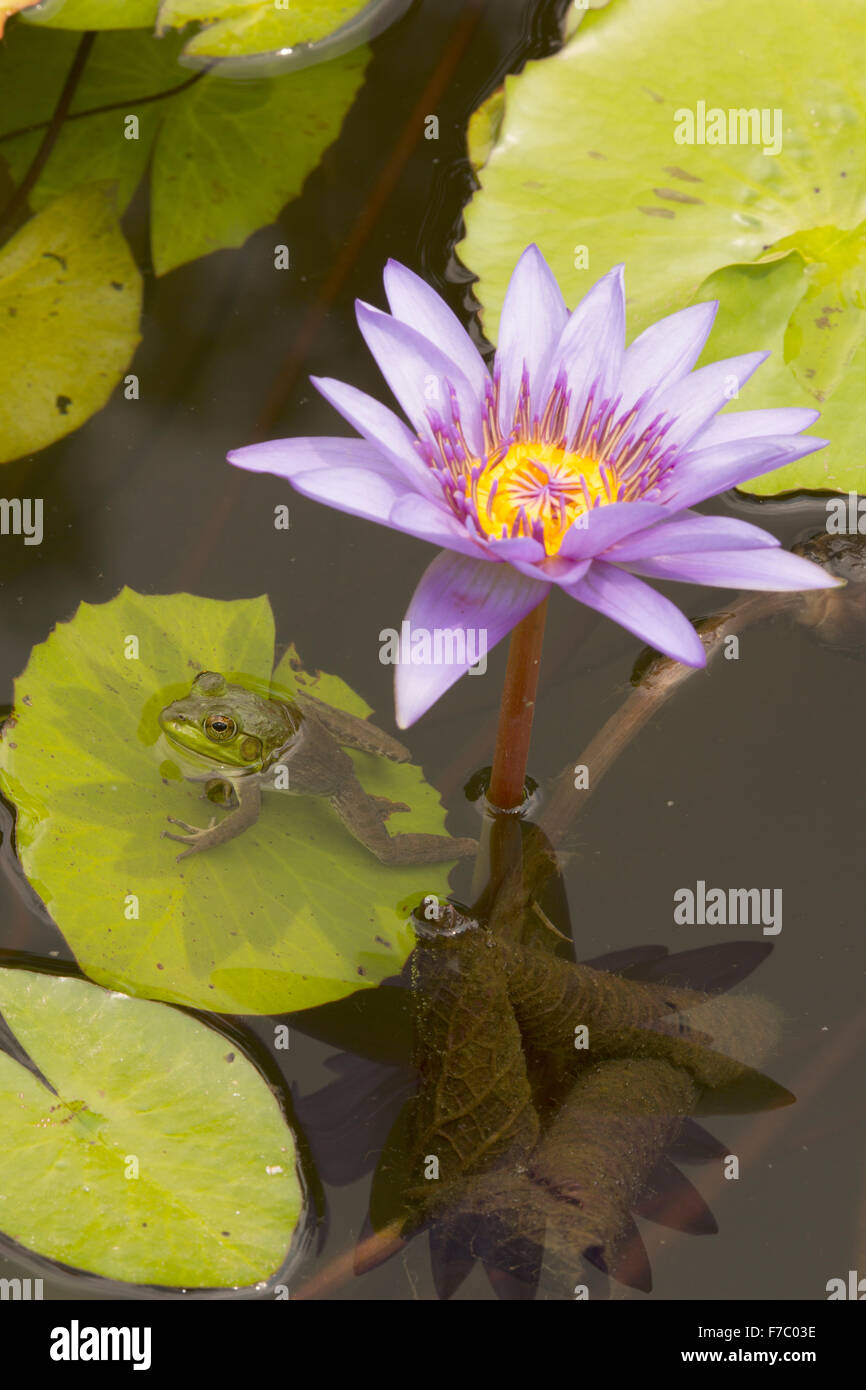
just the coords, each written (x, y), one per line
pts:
(751, 776)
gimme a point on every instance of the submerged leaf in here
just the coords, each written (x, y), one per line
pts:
(584, 1177)
(474, 1107)
(554, 999)
(160, 1156)
(525, 1148)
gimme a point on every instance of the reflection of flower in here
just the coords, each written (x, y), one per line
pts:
(575, 464)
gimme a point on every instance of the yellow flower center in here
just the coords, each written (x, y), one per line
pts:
(541, 490)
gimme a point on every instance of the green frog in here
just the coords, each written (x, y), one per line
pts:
(237, 741)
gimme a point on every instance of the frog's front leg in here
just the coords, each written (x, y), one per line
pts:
(364, 815)
(246, 813)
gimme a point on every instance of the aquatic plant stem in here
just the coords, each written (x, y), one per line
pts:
(49, 139)
(508, 777)
(360, 1259)
(126, 104)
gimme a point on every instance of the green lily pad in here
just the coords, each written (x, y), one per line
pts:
(67, 278)
(160, 1156)
(121, 68)
(588, 157)
(220, 167)
(291, 914)
(95, 14)
(256, 26)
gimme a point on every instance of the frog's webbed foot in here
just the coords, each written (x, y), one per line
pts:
(197, 837)
(386, 806)
(249, 799)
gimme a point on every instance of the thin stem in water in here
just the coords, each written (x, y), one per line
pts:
(49, 139)
(125, 104)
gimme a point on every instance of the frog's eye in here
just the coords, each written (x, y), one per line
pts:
(220, 727)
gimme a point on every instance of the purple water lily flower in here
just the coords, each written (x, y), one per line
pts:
(576, 464)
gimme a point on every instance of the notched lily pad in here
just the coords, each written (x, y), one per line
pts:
(160, 1156)
(292, 913)
(589, 164)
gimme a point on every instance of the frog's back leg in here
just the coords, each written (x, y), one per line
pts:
(353, 732)
(364, 815)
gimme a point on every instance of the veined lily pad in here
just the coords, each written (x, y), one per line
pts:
(159, 1157)
(291, 914)
(588, 162)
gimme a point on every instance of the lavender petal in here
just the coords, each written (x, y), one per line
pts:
(381, 428)
(771, 569)
(533, 316)
(638, 608)
(414, 302)
(664, 353)
(357, 491)
(590, 349)
(604, 526)
(690, 403)
(462, 595)
(287, 458)
(421, 377)
(754, 424)
(432, 521)
(691, 534)
(707, 472)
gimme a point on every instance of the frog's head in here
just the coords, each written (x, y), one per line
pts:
(224, 723)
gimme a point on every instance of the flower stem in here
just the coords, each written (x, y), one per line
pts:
(508, 777)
